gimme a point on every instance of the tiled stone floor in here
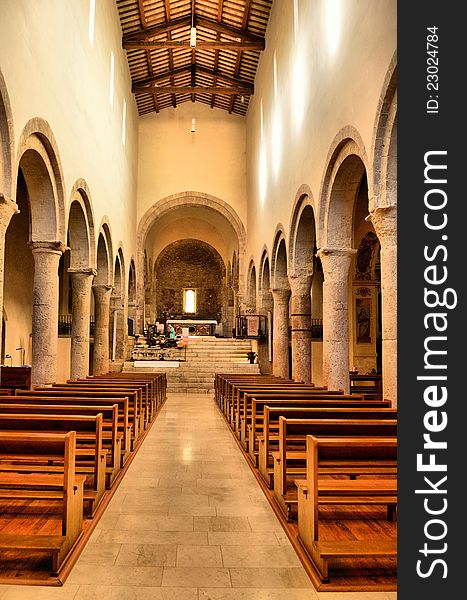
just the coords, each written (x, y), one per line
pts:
(188, 522)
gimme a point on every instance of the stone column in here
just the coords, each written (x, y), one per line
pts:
(301, 327)
(336, 265)
(81, 281)
(45, 311)
(102, 294)
(8, 208)
(280, 329)
(384, 221)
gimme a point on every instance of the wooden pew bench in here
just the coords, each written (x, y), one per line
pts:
(314, 492)
(157, 384)
(111, 438)
(221, 381)
(90, 457)
(269, 442)
(141, 409)
(238, 392)
(232, 384)
(243, 414)
(251, 424)
(290, 461)
(126, 400)
(66, 396)
(64, 490)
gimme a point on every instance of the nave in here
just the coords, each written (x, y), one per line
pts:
(188, 522)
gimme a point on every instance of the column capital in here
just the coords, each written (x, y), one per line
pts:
(384, 220)
(281, 294)
(105, 287)
(39, 247)
(8, 208)
(84, 271)
(300, 285)
(335, 261)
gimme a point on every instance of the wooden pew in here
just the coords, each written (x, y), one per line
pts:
(157, 383)
(90, 455)
(223, 382)
(143, 405)
(269, 440)
(291, 454)
(126, 414)
(65, 488)
(229, 386)
(315, 492)
(371, 386)
(111, 439)
(252, 426)
(245, 396)
(239, 390)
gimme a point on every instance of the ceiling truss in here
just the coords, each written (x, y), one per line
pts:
(219, 70)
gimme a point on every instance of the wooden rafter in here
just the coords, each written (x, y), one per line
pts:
(200, 45)
(239, 34)
(166, 70)
(220, 9)
(171, 56)
(199, 89)
(246, 14)
(142, 16)
(146, 34)
(215, 74)
(155, 30)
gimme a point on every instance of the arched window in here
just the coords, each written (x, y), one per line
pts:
(189, 301)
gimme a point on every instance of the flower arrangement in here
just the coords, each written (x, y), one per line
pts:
(251, 356)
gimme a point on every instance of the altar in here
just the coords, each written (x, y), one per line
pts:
(196, 327)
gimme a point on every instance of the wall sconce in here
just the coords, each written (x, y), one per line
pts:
(193, 125)
(193, 37)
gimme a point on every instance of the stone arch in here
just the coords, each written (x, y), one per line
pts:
(279, 269)
(104, 255)
(167, 208)
(251, 288)
(81, 233)
(347, 162)
(264, 277)
(266, 303)
(132, 281)
(384, 146)
(39, 160)
(302, 239)
(119, 274)
(6, 142)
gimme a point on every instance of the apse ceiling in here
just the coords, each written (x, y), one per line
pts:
(193, 50)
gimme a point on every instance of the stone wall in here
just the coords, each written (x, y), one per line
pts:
(190, 264)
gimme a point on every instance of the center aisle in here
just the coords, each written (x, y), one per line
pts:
(188, 522)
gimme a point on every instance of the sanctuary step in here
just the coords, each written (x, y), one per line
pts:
(205, 356)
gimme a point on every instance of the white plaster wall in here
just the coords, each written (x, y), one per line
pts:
(52, 72)
(173, 160)
(329, 76)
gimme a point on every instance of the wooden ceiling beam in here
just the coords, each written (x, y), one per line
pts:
(200, 45)
(154, 30)
(246, 16)
(220, 9)
(171, 56)
(148, 53)
(198, 89)
(235, 32)
(216, 74)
